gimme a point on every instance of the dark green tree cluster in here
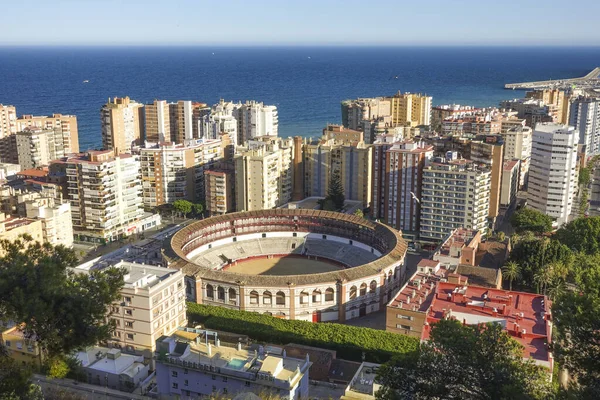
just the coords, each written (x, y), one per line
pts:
(527, 219)
(186, 207)
(60, 309)
(465, 362)
(335, 199)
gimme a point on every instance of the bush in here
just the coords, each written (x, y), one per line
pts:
(348, 341)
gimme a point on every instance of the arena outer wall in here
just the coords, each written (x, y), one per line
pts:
(330, 296)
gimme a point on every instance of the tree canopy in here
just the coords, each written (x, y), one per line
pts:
(335, 191)
(62, 310)
(183, 207)
(465, 362)
(527, 219)
(581, 234)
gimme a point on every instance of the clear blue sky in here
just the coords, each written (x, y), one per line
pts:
(308, 22)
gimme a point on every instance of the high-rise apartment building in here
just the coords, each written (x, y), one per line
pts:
(455, 194)
(37, 147)
(219, 186)
(354, 112)
(585, 117)
(105, 193)
(8, 120)
(184, 120)
(557, 98)
(255, 120)
(397, 181)
(157, 122)
(57, 226)
(66, 134)
(173, 171)
(122, 124)
(220, 120)
(510, 183)
(553, 171)
(517, 146)
(489, 150)
(410, 109)
(352, 160)
(264, 174)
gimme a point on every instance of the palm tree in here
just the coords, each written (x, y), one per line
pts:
(511, 271)
(543, 277)
(556, 289)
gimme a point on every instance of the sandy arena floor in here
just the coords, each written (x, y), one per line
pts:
(282, 266)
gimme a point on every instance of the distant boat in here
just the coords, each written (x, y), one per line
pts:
(86, 81)
(309, 57)
(396, 77)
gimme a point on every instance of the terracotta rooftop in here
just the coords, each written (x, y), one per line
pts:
(509, 165)
(525, 316)
(418, 292)
(34, 173)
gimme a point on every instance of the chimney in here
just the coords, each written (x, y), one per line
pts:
(218, 344)
(239, 346)
(209, 350)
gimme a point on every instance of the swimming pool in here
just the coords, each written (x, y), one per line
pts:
(236, 363)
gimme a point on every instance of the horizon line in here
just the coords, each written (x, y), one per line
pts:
(300, 45)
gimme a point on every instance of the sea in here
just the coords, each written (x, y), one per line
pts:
(306, 84)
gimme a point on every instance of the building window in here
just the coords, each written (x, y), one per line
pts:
(232, 294)
(175, 385)
(280, 299)
(210, 292)
(303, 298)
(316, 296)
(185, 382)
(174, 374)
(129, 312)
(185, 371)
(224, 379)
(225, 390)
(214, 377)
(267, 298)
(363, 289)
(129, 324)
(221, 293)
(247, 383)
(352, 292)
(214, 388)
(400, 316)
(254, 297)
(20, 345)
(406, 327)
(329, 293)
(7, 343)
(127, 299)
(373, 286)
(264, 235)
(295, 234)
(130, 336)
(324, 237)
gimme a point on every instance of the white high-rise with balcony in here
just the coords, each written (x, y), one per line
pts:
(585, 117)
(553, 171)
(256, 119)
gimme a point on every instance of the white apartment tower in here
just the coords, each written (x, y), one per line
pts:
(264, 174)
(8, 120)
(553, 171)
(37, 147)
(105, 193)
(517, 146)
(455, 194)
(585, 117)
(255, 120)
(57, 225)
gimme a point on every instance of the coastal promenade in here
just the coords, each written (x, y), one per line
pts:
(590, 80)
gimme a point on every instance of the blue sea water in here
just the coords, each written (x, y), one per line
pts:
(305, 83)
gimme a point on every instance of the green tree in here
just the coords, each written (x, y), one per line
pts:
(511, 271)
(501, 236)
(465, 362)
(581, 234)
(527, 219)
(335, 191)
(359, 213)
(199, 209)
(327, 205)
(578, 328)
(584, 176)
(61, 309)
(182, 207)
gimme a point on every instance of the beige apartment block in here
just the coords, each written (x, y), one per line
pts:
(57, 225)
(11, 228)
(341, 134)
(489, 150)
(176, 171)
(152, 304)
(264, 174)
(8, 120)
(554, 97)
(410, 109)
(220, 197)
(122, 124)
(157, 122)
(37, 147)
(517, 146)
(65, 128)
(354, 112)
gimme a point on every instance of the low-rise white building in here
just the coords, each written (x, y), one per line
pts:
(112, 369)
(56, 219)
(191, 365)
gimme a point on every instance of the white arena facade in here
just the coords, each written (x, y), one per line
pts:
(290, 263)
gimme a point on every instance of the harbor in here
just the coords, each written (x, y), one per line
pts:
(590, 81)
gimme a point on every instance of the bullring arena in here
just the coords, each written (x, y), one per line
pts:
(290, 263)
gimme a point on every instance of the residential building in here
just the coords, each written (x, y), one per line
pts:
(219, 186)
(66, 135)
(532, 110)
(510, 182)
(173, 171)
(585, 118)
(157, 122)
(8, 120)
(112, 369)
(9, 171)
(452, 111)
(459, 248)
(12, 228)
(553, 172)
(197, 365)
(57, 225)
(364, 384)
(340, 134)
(37, 147)
(218, 120)
(255, 120)
(434, 293)
(489, 150)
(397, 175)
(517, 146)
(152, 305)
(355, 112)
(264, 174)
(555, 97)
(455, 194)
(122, 124)
(21, 348)
(352, 160)
(410, 109)
(105, 193)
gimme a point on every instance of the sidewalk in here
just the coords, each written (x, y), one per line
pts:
(91, 392)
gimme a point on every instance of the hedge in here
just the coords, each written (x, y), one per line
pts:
(348, 341)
